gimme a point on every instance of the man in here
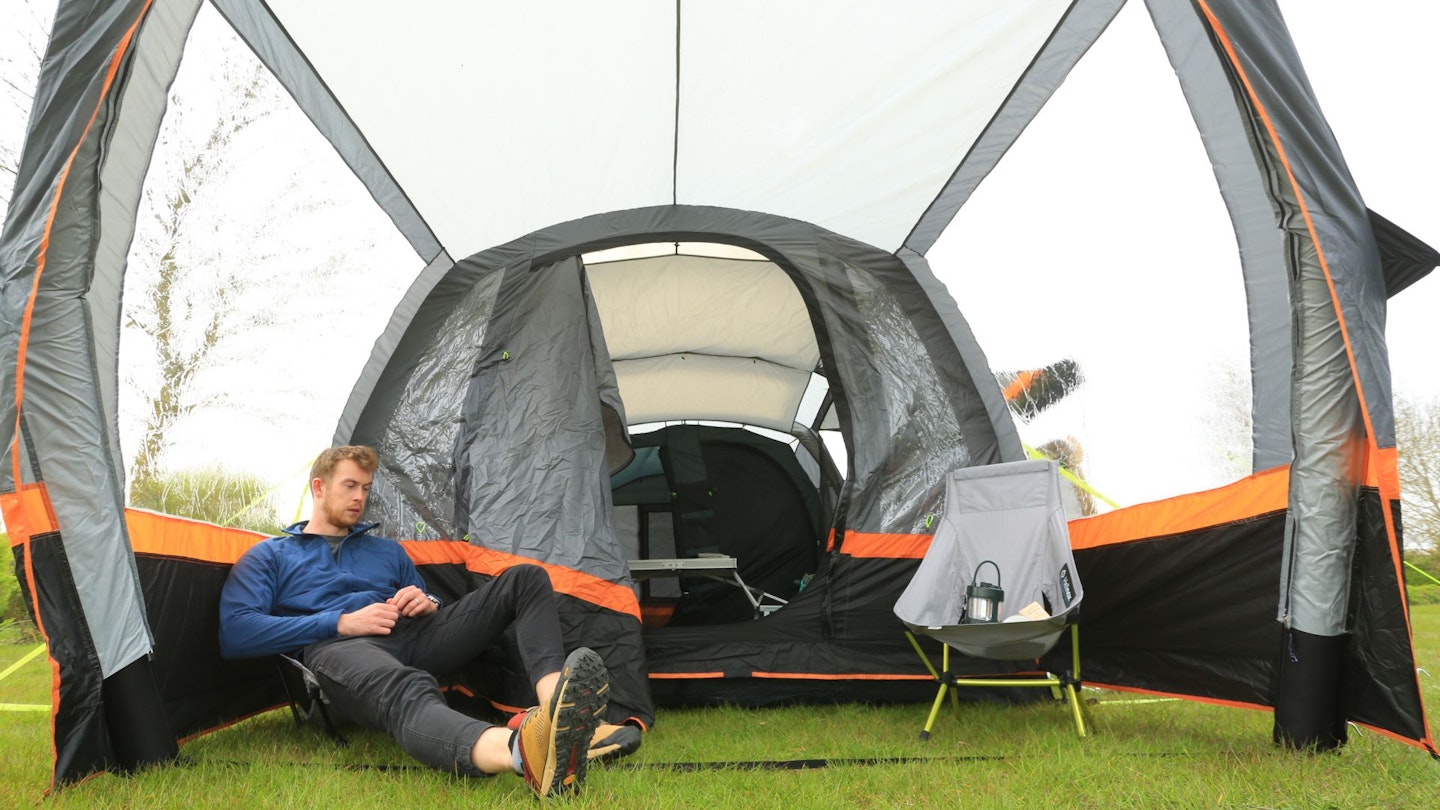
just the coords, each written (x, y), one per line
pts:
(354, 608)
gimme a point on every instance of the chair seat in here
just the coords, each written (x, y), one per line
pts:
(1002, 641)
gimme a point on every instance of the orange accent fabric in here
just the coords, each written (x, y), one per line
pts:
(816, 676)
(807, 676)
(171, 536)
(1260, 494)
(1382, 469)
(568, 581)
(1020, 384)
(889, 546)
(28, 513)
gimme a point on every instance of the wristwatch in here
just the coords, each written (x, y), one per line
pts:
(434, 600)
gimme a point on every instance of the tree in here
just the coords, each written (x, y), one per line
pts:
(185, 318)
(204, 273)
(246, 214)
(22, 46)
(1417, 437)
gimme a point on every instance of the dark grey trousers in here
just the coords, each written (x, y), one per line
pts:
(389, 682)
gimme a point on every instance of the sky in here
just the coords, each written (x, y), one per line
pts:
(1102, 236)
(1104, 218)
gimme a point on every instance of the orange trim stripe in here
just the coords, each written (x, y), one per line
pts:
(170, 536)
(824, 676)
(1259, 494)
(883, 545)
(1262, 493)
(568, 581)
(804, 676)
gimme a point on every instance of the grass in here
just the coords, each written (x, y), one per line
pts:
(1141, 754)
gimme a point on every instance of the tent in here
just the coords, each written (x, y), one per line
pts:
(798, 182)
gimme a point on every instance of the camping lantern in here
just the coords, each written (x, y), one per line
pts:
(982, 599)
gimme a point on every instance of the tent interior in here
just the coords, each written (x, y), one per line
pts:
(717, 364)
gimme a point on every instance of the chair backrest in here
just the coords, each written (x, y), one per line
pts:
(1009, 515)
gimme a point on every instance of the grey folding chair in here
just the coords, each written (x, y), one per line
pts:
(999, 579)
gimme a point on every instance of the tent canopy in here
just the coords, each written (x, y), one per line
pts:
(611, 106)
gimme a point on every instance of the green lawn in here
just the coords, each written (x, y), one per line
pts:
(1141, 754)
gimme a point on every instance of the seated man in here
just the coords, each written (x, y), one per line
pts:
(354, 608)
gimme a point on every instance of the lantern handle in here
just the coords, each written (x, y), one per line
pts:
(976, 578)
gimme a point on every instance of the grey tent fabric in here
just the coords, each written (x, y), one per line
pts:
(542, 427)
(1008, 515)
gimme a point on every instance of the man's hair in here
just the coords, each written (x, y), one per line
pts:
(325, 464)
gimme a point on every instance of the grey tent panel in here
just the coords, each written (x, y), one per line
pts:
(1078, 30)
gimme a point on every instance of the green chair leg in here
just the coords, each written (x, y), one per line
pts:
(934, 712)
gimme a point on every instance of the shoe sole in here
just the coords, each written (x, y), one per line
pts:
(580, 701)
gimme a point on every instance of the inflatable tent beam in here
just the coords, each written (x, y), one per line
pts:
(1341, 428)
(96, 115)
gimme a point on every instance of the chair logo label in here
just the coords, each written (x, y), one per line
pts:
(1067, 585)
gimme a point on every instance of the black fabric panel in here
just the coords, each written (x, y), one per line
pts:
(1379, 686)
(763, 692)
(758, 507)
(81, 736)
(201, 690)
(132, 707)
(1404, 259)
(499, 675)
(1307, 696)
(1191, 614)
(843, 623)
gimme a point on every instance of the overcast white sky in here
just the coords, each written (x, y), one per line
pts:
(1114, 241)
(1116, 248)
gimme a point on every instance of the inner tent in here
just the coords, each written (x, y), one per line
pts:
(657, 399)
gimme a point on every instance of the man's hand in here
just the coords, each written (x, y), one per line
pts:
(375, 619)
(412, 602)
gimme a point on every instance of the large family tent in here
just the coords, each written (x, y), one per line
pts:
(555, 387)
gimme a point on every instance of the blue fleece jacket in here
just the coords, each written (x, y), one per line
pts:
(289, 591)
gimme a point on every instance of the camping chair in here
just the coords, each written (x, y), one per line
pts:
(306, 697)
(998, 581)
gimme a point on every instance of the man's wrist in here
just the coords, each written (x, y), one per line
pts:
(434, 600)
